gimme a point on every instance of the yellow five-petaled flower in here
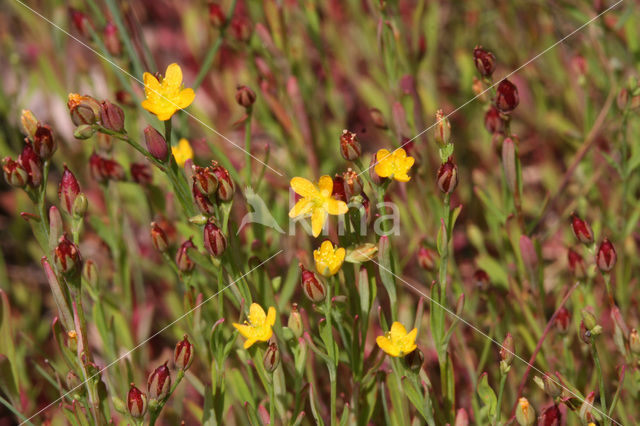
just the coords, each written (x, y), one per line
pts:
(258, 329)
(328, 258)
(397, 342)
(182, 152)
(394, 164)
(316, 201)
(166, 97)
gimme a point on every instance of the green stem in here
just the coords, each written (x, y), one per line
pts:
(503, 380)
(596, 360)
(247, 147)
(272, 405)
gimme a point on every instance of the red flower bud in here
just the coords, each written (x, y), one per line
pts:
(183, 261)
(44, 144)
(313, 288)
(485, 61)
(271, 358)
(216, 15)
(295, 321)
(352, 183)
(426, 258)
(367, 207)
(551, 386)
(507, 350)
(136, 402)
(205, 180)
(241, 28)
(104, 169)
(481, 279)
(111, 117)
(66, 256)
(214, 240)
(245, 97)
(159, 237)
(350, 147)
(183, 354)
(226, 187)
(31, 163)
(201, 201)
(14, 173)
(83, 109)
(581, 229)
(442, 128)
(68, 190)
(576, 264)
(507, 98)
(550, 416)
(378, 118)
(447, 177)
(111, 39)
(156, 144)
(141, 173)
(80, 21)
(159, 383)
(562, 322)
(606, 256)
(492, 120)
(338, 189)
(634, 341)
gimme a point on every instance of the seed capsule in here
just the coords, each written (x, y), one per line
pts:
(202, 201)
(447, 177)
(606, 256)
(183, 261)
(214, 240)
(352, 183)
(350, 147)
(44, 143)
(111, 117)
(442, 128)
(313, 288)
(67, 256)
(183, 354)
(485, 61)
(245, 97)
(31, 163)
(159, 382)
(507, 350)
(271, 358)
(14, 173)
(551, 386)
(83, 109)
(205, 180)
(136, 402)
(507, 98)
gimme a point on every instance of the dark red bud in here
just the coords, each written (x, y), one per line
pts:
(426, 258)
(481, 279)
(507, 98)
(104, 169)
(350, 147)
(31, 163)
(576, 264)
(562, 321)
(80, 21)
(159, 382)
(313, 288)
(111, 117)
(606, 256)
(136, 402)
(550, 416)
(271, 358)
(44, 143)
(183, 354)
(205, 180)
(378, 118)
(492, 120)
(216, 15)
(68, 190)
(159, 237)
(447, 177)
(245, 97)
(202, 201)
(156, 144)
(338, 191)
(183, 261)
(485, 61)
(507, 350)
(585, 333)
(214, 240)
(111, 39)
(66, 256)
(241, 28)
(14, 173)
(226, 187)
(141, 173)
(581, 229)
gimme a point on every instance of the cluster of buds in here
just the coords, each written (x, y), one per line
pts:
(40, 145)
(90, 115)
(159, 382)
(211, 183)
(350, 147)
(105, 169)
(312, 286)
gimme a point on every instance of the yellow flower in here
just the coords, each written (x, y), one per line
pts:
(394, 164)
(258, 329)
(316, 201)
(164, 99)
(182, 152)
(398, 342)
(328, 258)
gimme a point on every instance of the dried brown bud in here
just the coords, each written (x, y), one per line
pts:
(245, 97)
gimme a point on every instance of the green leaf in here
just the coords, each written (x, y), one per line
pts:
(314, 408)
(487, 395)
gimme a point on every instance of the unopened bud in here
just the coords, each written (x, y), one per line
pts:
(563, 321)
(481, 279)
(576, 264)
(32, 164)
(338, 192)
(111, 39)
(245, 97)
(375, 178)
(415, 360)
(159, 383)
(313, 288)
(111, 117)
(205, 180)
(214, 240)
(104, 169)
(84, 131)
(623, 99)
(158, 237)
(216, 15)
(183, 261)
(44, 143)
(295, 321)
(90, 273)
(507, 352)
(350, 147)
(551, 386)
(493, 121)
(634, 342)
(550, 416)
(442, 128)
(80, 206)
(136, 402)
(271, 358)
(73, 382)
(241, 28)
(528, 253)
(378, 119)
(581, 229)
(201, 201)
(83, 109)
(606, 256)
(525, 413)
(141, 173)
(589, 319)
(80, 21)
(426, 258)
(68, 190)
(183, 354)
(485, 61)
(29, 124)
(226, 187)
(67, 256)
(584, 333)
(507, 98)
(14, 173)
(156, 144)
(352, 183)
(447, 177)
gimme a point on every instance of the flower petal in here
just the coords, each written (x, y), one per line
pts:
(340, 254)
(256, 315)
(325, 185)
(397, 331)
(336, 207)
(302, 207)
(303, 187)
(318, 217)
(386, 345)
(185, 98)
(271, 316)
(244, 329)
(173, 76)
(249, 342)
